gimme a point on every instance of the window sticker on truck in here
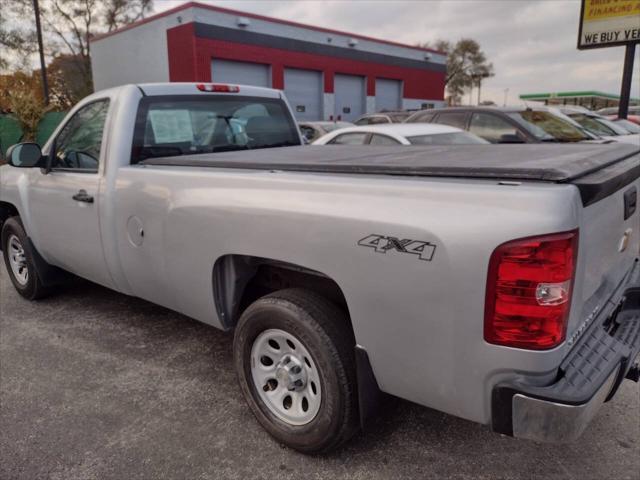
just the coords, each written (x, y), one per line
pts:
(171, 126)
(382, 244)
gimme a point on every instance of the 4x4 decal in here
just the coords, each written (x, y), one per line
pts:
(382, 244)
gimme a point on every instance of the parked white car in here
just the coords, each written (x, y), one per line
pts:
(400, 134)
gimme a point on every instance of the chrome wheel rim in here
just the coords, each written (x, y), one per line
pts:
(285, 377)
(17, 260)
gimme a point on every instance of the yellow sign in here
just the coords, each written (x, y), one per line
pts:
(601, 9)
(608, 23)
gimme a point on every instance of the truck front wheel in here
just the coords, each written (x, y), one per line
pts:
(294, 356)
(17, 258)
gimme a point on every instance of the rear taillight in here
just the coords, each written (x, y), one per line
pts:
(529, 291)
(217, 87)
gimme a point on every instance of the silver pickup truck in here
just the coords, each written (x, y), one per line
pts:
(497, 283)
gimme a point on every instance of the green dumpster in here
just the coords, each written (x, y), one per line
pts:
(10, 133)
(47, 125)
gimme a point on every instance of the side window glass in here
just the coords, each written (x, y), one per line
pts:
(490, 127)
(425, 117)
(382, 140)
(349, 139)
(453, 119)
(377, 120)
(78, 144)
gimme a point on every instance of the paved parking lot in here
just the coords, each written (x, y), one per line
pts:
(95, 384)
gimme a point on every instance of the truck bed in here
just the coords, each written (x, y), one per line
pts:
(597, 170)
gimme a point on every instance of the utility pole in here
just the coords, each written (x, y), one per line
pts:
(479, 76)
(627, 74)
(43, 68)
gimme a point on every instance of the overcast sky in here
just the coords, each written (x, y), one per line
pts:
(532, 44)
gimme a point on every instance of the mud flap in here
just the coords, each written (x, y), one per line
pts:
(370, 397)
(48, 274)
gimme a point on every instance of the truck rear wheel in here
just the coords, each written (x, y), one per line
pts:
(17, 258)
(294, 356)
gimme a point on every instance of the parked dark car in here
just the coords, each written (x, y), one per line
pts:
(507, 124)
(383, 117)
(313, 130)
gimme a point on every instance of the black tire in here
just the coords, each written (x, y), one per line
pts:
(324, 330)
(33, 288)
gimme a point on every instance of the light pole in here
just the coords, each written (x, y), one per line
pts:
(43, 68)
(506, 94)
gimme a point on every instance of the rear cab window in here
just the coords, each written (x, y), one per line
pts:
(193, 124)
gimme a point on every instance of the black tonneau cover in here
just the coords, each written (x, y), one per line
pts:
(551, 163)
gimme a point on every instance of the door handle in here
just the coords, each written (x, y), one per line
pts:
(83, 196)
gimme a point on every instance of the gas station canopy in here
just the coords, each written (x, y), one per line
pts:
(592, 100)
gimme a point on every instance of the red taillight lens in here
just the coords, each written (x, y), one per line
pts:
(217, 87)
(529, 291)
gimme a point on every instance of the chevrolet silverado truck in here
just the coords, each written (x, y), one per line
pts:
(497, 283)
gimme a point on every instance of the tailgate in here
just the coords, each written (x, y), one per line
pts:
(609, 235)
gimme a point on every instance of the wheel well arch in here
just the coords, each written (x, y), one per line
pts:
(238, 280)
(7, 210)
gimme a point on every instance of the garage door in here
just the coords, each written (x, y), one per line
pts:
(388, 94)
(303, 89)
(349, 96)
(244, 73)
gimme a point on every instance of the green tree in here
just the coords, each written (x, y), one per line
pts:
(467, 66)
(68, 26)
(21, 93)
(67, 84)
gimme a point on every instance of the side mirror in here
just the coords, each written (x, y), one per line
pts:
(25, 155)
(510, 138)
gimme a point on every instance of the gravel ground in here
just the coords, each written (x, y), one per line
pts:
(97, 385)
